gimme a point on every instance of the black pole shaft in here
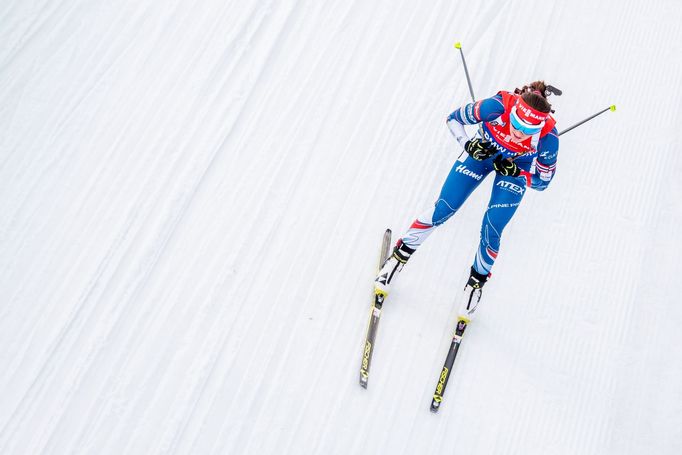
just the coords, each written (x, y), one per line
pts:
(587, 119)
(473, 97)
(466, 71)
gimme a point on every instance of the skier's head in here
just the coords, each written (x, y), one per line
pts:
(530, 111)
(535, 95)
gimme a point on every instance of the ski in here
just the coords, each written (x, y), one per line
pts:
(374, 317)
(449, 362)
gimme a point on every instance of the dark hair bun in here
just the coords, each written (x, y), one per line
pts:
(535, 95)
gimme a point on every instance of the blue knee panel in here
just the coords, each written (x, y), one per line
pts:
(442, 212)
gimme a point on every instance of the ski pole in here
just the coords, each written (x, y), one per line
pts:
(458, 45)
(466, 70)
(555, 91)
(610, 108)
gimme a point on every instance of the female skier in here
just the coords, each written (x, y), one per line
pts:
(517, 139)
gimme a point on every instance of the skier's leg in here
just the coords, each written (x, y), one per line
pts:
(506, 196)
(466, 174)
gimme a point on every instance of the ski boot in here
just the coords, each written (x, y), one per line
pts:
(393, 265)
(472, 295)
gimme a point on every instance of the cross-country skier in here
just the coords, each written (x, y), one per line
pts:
(517, 140)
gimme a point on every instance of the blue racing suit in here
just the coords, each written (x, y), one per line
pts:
(538, 164)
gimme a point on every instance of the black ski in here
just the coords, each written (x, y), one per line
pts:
(449, 362)
(374, 317)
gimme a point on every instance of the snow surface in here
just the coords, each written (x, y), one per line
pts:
(192, 197)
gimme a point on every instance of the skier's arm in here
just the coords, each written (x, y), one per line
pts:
(484, 110)
(545, 166)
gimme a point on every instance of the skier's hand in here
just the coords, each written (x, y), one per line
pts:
(479, 149)
(506, 167)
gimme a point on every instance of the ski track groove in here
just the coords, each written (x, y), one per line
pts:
(194, 402)
(66, 329)
(327, 422)
(71, 321)
(75, 315)
(147, 269)
(30, 34)
(223, 343)
(304, 308)
(307, 300)
(247, 96)
(278, 220)
(310, 299)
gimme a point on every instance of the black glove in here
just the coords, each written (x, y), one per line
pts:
(479, 149)
(506, 167)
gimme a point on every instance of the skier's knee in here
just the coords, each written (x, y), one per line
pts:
(442, 212)
(490, 236)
